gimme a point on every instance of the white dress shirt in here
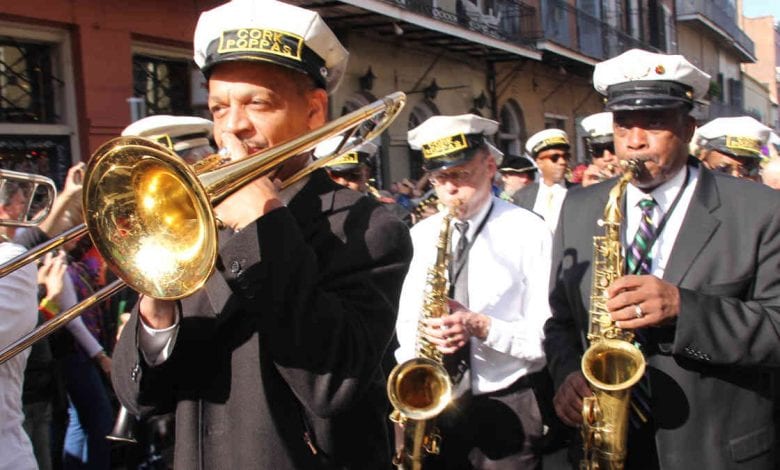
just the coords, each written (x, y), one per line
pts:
(664, 196)
(508, 275)
(19, 298)
(549, 200)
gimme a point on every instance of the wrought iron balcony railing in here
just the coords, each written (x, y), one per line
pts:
(579, 31)
(721, 14)
(512, 21)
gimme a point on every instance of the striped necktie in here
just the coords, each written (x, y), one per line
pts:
(638, 256)
(638, 262)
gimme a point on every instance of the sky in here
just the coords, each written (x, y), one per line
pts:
(754, 8)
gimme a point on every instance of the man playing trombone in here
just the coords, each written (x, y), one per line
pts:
(274, 363)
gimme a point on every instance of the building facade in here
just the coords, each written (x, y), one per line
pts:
(766, 70)
(73, 74)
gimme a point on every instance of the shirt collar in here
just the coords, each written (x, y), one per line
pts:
(664, 194)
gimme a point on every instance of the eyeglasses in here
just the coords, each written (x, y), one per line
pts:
(744, 170)
(455, 176)
(556, 157)
(350, 175)
(597, 151)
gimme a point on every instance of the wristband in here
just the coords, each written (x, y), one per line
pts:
(49, 308)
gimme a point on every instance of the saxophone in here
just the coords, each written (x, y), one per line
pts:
(420, 388)
(612, 363)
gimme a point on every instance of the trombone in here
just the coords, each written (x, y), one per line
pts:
(150, 214)
(29, 184)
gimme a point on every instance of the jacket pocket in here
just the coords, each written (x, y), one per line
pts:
(737, 289)
(751, 444)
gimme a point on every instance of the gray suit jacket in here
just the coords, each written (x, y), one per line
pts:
(276, 363)
(709, 372)
(526, 197)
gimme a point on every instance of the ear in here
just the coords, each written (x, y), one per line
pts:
(318, 108)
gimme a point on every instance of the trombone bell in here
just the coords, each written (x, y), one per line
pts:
(150, 218)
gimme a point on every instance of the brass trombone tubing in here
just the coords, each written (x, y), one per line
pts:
(58, 321)
(37, 181)
(34, 253)
(238, 174)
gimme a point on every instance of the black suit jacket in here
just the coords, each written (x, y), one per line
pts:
(710, 371)
(276, 363)
(526, 197)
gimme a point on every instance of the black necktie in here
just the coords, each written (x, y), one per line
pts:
(457, 363)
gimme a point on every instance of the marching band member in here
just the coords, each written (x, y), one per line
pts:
(701, 288)
(492, 339)
(550, 150)
(733, 146)
(275, 362)
(601, 149)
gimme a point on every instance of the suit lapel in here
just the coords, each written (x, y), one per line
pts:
(697, 228)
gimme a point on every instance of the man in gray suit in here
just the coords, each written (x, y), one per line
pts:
(707, 310)
(550, 150)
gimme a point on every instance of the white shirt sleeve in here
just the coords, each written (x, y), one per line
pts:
(156, 344)
(522, 338)
(77, 328)
(18, 295)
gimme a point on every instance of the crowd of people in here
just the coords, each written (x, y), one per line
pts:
(280, 359)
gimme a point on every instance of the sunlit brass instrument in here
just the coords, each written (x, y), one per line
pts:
(37, 204)
(420, 388)
(150, 214)
(612, 363)
(124, 427)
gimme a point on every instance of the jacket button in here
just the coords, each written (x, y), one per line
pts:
(235, 267)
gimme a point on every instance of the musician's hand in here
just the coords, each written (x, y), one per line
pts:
(156, 313)
(451, 332)
(52, 273)
(251, 201)
(591, 175)
(656, 300)
(568, 398)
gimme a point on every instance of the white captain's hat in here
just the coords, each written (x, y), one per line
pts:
(598, 128)
(178, 133)
(448, 141)
(360, 155)
(272, 32)
(734, 136)
(638, 79)
(543, 140)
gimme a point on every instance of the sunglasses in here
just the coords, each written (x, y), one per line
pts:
(555, 158)
(597, 151)
(744, 170)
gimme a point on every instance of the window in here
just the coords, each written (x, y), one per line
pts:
(38, 119)
(164, 83)
(511, 131)
(28, 86)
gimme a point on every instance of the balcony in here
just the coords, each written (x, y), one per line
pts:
(591, 39)
(720, 18)
(505, 29)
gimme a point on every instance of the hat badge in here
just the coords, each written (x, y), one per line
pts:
(659, 69)
(635, 70)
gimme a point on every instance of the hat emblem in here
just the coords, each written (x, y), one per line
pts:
(445, 146)
(659, 69)
(635, 70)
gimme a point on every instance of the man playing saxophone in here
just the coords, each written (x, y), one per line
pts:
(491, 340)
(700, 291)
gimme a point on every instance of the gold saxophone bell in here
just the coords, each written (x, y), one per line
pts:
(150, 214)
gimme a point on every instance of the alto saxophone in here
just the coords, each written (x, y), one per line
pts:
(612, 363)
(420, 388)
